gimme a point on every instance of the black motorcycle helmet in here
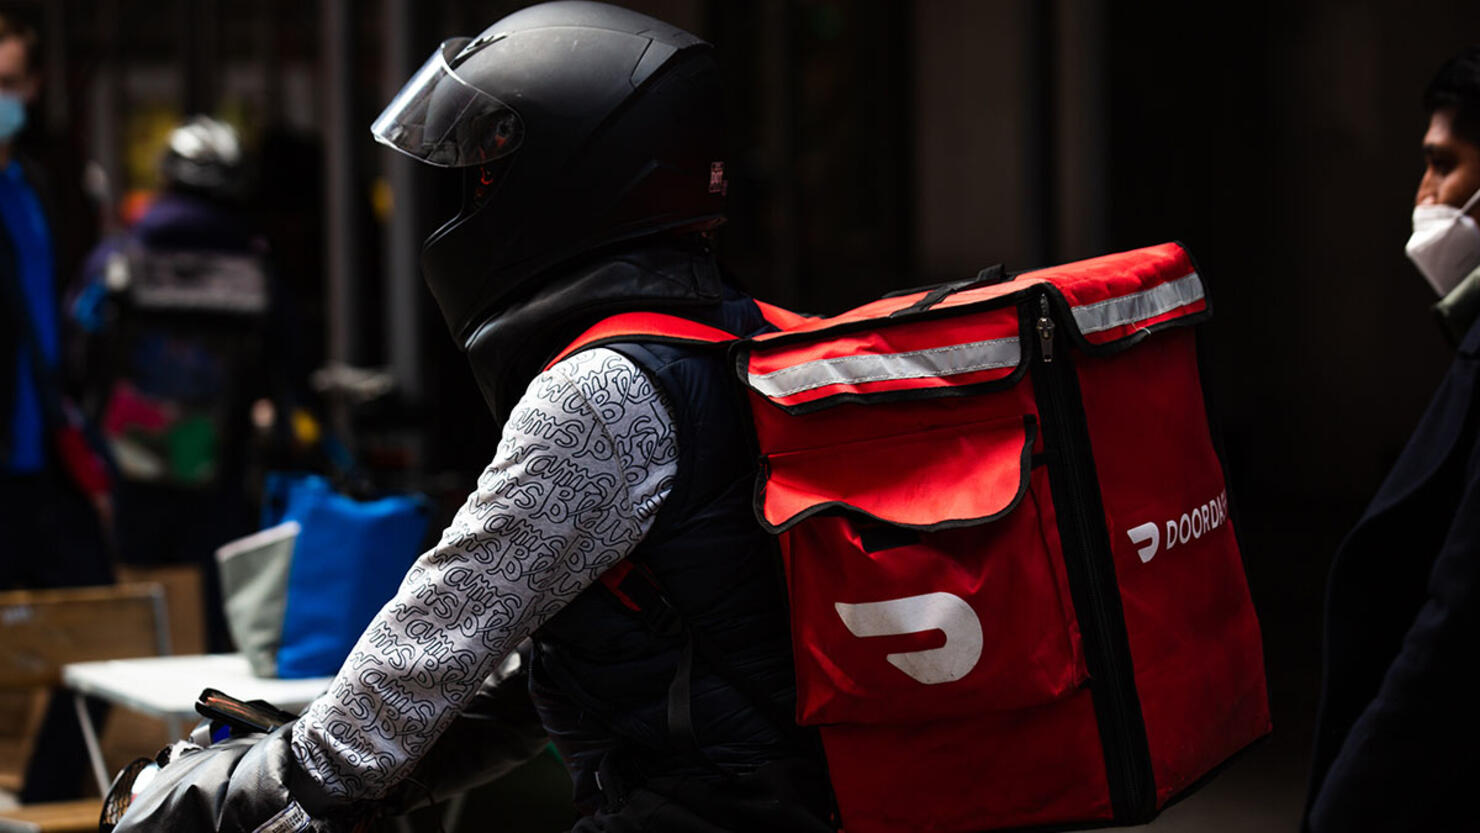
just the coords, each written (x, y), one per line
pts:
(578, 125)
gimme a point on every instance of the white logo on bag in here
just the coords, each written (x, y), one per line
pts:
(1148, 538)
(1186, 529)
(945, 612)
(291, 819)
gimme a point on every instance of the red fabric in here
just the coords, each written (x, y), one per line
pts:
(1118, 333)
(892, 385)
(900, 478)
(1116, 275)
(129, 409)
(1013, 741)
(852, 422)
(944, 667)
(1005, 571)
(629, 324)
(1193, 634)
(998, 770)
(889, 339)
(781, 318)
(83, 465)
(612, 579)
(879, 310)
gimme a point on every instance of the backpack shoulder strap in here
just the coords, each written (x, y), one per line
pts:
(649, 326)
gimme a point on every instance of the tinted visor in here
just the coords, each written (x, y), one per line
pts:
(443, 120)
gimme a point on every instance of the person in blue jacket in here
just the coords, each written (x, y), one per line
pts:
(1397, 742)
(52, 531)
(47, 543)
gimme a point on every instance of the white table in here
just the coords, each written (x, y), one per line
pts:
(167, 687)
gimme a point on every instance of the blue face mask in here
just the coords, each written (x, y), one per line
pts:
(12, 116)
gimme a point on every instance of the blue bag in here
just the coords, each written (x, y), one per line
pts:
(348, 560)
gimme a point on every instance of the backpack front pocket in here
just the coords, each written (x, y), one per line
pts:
(924, 574)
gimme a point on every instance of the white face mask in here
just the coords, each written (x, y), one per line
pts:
(1445, 245)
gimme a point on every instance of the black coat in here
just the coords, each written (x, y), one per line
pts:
(1398, 735)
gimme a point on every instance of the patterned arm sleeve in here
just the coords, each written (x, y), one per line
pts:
(586, 459)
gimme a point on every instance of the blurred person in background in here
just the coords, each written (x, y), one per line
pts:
(1397, 732)
(174, 316)
(50, 538)
(54, 501)
(593, 190)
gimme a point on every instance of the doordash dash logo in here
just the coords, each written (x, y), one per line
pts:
(945, 612)
(1184, 530)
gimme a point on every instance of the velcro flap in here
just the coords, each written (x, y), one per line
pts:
(954, 475)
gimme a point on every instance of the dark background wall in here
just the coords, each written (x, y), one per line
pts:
(885, 144)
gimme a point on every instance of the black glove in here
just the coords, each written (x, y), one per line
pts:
(254, 783)
(249, 784)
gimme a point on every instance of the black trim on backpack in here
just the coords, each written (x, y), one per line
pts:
(1090, 567)
(886, 537)
(989, 276)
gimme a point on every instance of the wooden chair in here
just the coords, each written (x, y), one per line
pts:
(57, 817)
(43, 630)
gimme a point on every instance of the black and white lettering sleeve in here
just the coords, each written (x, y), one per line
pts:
(585, 461)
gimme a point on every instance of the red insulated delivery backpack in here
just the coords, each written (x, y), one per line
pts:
(1016, 595)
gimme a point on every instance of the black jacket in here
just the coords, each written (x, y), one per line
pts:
(717, 567)
(1398, 735)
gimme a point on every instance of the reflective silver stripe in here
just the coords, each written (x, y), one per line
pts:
(1138, 306)
(916, 364)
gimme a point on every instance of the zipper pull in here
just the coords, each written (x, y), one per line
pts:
(1045, 331)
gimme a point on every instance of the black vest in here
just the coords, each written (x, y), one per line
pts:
(601, 675)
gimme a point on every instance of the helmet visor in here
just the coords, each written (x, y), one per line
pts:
(443, 120)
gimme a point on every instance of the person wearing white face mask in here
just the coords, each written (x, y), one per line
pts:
(1397, 731)
(1445, 245)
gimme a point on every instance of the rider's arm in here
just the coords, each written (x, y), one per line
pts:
(585, 461)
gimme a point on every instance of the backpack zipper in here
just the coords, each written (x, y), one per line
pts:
(1045, 330)
(1093, 586)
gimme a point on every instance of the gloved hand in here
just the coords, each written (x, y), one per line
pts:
(253, 784)
(249, 784)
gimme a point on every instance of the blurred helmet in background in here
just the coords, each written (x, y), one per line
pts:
(577, 125)
(204, 156)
